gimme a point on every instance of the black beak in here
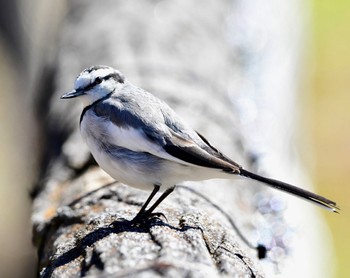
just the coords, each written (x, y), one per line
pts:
(72, 94)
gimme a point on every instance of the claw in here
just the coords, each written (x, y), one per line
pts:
(158, 215)
(141, 219)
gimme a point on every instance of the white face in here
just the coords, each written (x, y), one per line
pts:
(98, 81)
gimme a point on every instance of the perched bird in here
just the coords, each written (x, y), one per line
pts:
(140, 141)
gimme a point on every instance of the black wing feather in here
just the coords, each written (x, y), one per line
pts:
(192, 153)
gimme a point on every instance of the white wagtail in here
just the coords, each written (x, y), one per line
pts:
(140, 141)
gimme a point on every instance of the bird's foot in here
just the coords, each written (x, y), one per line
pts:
(144, 217)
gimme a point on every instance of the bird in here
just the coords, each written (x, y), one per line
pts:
(140, 141)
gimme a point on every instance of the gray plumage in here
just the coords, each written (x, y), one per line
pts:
(139, 140)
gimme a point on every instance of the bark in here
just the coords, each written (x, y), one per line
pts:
(183, 53)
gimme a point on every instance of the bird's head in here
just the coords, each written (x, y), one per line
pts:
(95, 83)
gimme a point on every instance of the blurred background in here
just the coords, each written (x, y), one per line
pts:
(28, 32)
(328, 113)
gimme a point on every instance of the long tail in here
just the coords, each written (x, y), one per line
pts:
(291, 189)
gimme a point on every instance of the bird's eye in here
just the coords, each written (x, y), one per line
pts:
(98, 80)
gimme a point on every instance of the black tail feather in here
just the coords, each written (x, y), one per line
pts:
(291, 189)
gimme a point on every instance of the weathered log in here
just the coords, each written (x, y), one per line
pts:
(183, 53)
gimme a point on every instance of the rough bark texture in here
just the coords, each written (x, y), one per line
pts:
(181, 52)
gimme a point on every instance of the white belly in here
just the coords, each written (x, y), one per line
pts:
(137, 169)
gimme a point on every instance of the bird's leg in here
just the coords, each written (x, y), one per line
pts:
(144, 214)
(165, 194)
(144, 206)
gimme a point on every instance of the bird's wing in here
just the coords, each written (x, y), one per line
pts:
(214, 151)
(191, 152)
(159, 136)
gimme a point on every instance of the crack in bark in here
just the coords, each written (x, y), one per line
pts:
(156, 241)
(90, 193)
(91, 259)
(214, 254)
